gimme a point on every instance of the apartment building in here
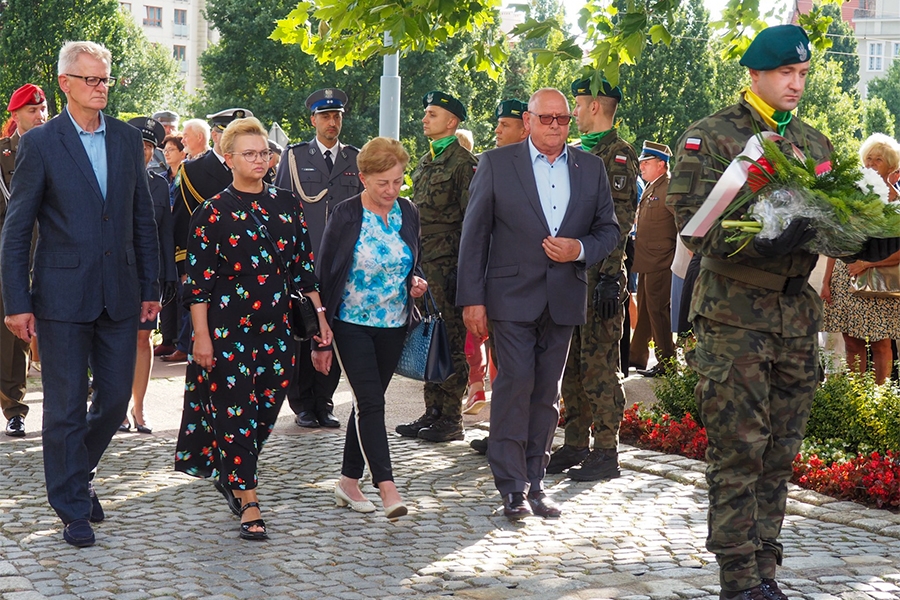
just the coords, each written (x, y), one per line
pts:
(878, 31)
(178, 25)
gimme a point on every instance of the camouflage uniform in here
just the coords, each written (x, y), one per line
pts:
(592, 386)
(756, 353)
(441, 191)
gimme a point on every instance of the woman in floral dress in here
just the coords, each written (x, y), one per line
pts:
(242, 354)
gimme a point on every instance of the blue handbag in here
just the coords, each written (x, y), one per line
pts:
(426, 351)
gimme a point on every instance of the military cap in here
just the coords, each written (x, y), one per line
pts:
(222, 118)
(166, 117)
(777, 46)
(28, 94)
(445, 101)
(654, 150)
(582, 87)
(151, 129)
(275, 147)
(512, 109)
(326, 100)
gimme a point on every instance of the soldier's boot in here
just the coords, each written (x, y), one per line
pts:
(565, 457)
(445, 429)
(771, 591)
(427, 420)
(479, 445)
(601, 463)
(754, 593)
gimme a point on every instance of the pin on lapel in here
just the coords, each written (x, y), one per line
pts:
(7, 152)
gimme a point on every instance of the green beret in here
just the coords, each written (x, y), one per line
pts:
(777, 46)
(445, 101)
(512, 109)
(582, 87)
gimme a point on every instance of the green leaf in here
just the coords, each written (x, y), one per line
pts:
(658, 33)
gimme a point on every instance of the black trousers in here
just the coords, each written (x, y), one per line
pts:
(368, 356)
(309, 389)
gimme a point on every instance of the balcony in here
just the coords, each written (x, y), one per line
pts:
(180, 30)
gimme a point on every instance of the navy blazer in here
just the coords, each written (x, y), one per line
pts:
(502, 264)
(91, 254)
(339, 242)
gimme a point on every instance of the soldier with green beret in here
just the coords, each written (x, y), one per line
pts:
(510, 126)
(441, 191)
(593, 384)
(755, 319)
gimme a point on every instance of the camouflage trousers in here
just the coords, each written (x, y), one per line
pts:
(447, 396)
(593, 387)
(754, 396)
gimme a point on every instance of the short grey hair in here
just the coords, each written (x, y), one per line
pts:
(198, 124)
(70, 52)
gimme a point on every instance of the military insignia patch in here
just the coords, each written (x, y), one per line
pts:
(329, 93)
(239, 114)
(618, 182)
(621, 159)
(429, 97)
(692, 143)
(802, 52)
(37, 98)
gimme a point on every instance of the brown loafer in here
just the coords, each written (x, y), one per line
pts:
(177, 356)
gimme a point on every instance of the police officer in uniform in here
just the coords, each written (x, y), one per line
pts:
(198, 179)
(654, 251)
(28, 107)
(441, 191)
(755, 319)
(593, 385)
(322, 172)
(169, 122)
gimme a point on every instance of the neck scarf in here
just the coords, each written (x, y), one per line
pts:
(776, 119)
(438, 146)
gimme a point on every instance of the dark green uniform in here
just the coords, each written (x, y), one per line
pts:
(14, 351)
(756, 353)
(441, 191)
(592, 386)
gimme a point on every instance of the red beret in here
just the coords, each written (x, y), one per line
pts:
(27, 94)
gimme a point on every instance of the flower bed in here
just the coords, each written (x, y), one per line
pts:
(862, 470)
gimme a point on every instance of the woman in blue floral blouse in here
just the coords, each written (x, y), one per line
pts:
(368, 266)
(242, 354)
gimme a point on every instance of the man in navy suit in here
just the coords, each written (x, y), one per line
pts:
(540, 212)
(96, 262)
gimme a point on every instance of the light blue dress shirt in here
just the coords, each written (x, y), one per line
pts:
(95, 145)
(553, 187)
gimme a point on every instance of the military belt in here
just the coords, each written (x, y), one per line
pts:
(440, 228)
(789, 286)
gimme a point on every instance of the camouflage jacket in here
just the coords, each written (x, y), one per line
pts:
(722, 137)
(441, 191)
(8, 146)
(622, 168)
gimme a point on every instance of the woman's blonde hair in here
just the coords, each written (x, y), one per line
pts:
(248, 126)
(380, 154)
(884, 146)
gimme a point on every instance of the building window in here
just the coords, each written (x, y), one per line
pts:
(876, 51)
(896, 50)
(179, 52)
(180, 27)
(125, 6)
(153, 17)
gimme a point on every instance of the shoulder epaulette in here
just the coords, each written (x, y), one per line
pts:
(296, 145)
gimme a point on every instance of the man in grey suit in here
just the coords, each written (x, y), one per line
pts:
(540, 212)
(81, 177)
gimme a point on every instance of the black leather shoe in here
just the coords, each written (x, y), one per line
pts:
(599, 464)
(565, 457)
(79, 533)
(445, 429)
(770, 590)
(543, 506)
(636, 366)
(15, 427)
(326, 418)
(480, 445)
(307, 418)
(97, 514)
(412, 429)
(754, 593)
(515, 507)
(657, 371)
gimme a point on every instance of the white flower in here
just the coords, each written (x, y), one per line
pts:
(872, 182)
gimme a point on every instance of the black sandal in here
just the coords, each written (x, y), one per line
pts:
(246, 534)
(234, 503)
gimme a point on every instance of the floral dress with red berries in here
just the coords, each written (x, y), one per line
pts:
(230, 410)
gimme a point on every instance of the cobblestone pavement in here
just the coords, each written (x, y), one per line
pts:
(637, 537)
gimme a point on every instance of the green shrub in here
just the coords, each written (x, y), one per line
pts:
(675, 391)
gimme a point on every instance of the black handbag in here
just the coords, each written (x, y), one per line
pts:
(426, 351)
(303, 317)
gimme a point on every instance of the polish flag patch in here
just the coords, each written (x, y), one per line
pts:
(621, 159)
(692, 143)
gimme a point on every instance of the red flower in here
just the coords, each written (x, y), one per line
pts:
(237, 460)
(756, 178)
